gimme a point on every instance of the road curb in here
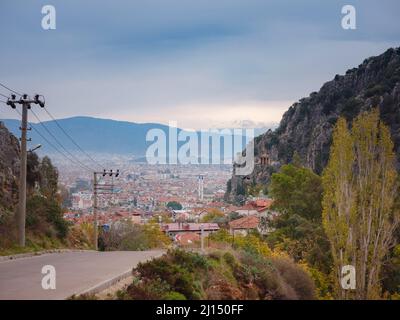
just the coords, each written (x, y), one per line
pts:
(105, 284)
(38, 253)
(110, 282)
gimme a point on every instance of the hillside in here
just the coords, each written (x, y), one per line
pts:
(9, 168)
(45, 226)
(306, 128)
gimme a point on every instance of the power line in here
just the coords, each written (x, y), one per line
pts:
(70, 138)
(76, 160)
(59, 126)
(3, 95)
(52, 145)
(5, 87)
(60, 144)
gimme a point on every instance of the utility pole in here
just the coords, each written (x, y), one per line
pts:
(25, 101)
(202, 237)
(100, 187)
(95, 211)
(22, 179)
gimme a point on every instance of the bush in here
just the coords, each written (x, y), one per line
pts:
(148, 289)
(81, 236)
(45, 216)
(127, 236)
(296, 277)
(172, 276)
(220, 275)
(7, 229)
(173, 295)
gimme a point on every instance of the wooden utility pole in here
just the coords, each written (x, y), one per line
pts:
(202, 237)
(25, 101)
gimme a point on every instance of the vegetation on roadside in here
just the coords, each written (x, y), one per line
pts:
(125, 235)
(221, 274)
(45, 226)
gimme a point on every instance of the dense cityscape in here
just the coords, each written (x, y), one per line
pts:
(200, 150)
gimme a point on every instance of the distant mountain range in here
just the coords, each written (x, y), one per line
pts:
(95, 135)
(92, 134)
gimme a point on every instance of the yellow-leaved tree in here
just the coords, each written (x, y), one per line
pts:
(359, 215)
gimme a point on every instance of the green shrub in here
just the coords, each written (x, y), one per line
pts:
(178, 269)
(243, 274)
(126, 236)
(173, 295)
(148, 289)
(45, 216)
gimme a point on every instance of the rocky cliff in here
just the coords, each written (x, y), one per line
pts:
(306, 128)
(9, 168)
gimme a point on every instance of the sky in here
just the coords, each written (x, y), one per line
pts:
(202, 63)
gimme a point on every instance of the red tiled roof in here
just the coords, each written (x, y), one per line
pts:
(264, 203)
(187, 238)
(248, 206)
(250, 222)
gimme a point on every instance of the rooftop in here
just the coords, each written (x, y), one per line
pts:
(250, 222)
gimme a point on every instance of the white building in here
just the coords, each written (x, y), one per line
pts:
(82, 200)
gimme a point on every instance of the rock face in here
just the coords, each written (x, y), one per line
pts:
(9, 168)
(307, 126)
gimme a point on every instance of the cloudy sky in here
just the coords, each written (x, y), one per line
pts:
(202, 63)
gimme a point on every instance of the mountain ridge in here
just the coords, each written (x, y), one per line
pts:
(93, 134)
(98, 135)
(306, 127)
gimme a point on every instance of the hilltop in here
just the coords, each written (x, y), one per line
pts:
(306, 128)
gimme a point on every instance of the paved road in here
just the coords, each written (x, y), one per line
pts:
(75, 272)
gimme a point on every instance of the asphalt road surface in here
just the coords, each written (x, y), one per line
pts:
(75, 272)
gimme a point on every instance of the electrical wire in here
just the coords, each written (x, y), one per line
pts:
(53, 146)
(49, 132)
(71, 139)
(59, 143)
(13, 91)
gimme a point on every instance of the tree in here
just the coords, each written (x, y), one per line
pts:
(360, 186)
(214, 215)
(174, 205)
(48, 178)
(297, 194)
(296, 160)
(297, 190)
(45, 217)
(33, 171)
